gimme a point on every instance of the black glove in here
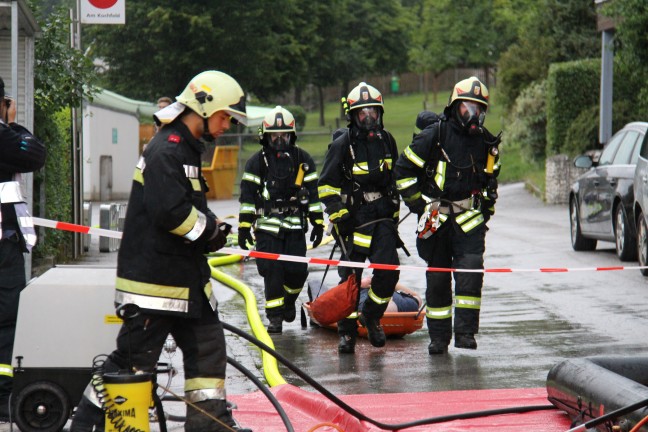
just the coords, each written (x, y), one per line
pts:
(245, 237)
(345, 226)
(417, 206)
(491, 189)
(317, 233)
(219, 238)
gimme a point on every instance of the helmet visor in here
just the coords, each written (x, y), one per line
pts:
(470, 109)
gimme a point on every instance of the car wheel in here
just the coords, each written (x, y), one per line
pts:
(579, 243)
(626, 247)
(642, 243)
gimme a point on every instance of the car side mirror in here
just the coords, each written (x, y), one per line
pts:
(583, 161)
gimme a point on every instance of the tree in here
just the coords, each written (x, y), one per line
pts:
(631, 49)
(62, 77)
(552, 31)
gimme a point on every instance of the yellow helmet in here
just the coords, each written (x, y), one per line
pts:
(470, 89)
(279, 120)
(212, 91)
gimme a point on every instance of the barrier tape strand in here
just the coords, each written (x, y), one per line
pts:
(337, 263)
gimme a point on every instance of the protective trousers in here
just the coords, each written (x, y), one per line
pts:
(12, 282)
(202, 342)
(382, 250)
(283, 280)
(450, 247)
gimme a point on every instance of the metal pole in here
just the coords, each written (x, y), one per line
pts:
(77, 142)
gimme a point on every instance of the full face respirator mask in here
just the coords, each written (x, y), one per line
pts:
(471, 115)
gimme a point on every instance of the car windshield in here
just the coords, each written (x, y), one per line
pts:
(610, 150)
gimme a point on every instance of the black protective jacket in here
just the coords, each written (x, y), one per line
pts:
(270, 196)
(445, 163)
(20, 152)
(161, 265)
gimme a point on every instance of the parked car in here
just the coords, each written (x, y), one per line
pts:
(601, 200)
(641, 201)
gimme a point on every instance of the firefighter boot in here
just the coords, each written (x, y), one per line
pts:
(197, 421)
(374, 330)
(275, 325)
(87, 416)
(465, 340)
(437, 346)
(347, 344)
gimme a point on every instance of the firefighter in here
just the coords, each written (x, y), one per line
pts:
(279, 197)
(20, 152)
(161, 266)
(447, 176)
(357, 188)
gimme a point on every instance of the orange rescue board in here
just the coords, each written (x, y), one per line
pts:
(395, 324)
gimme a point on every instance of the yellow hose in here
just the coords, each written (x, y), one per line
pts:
(270, 368)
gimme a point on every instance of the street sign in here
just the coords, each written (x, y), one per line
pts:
(103, 11)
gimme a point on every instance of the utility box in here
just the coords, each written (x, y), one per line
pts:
(221, 174)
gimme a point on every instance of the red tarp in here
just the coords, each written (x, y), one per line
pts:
(309, 411)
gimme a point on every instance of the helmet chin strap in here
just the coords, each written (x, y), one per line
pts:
(206, 136)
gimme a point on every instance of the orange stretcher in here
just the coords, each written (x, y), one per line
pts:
(395, 324)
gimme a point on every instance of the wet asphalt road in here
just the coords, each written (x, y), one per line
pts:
(530, 321)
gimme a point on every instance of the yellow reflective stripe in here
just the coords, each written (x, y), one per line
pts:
(315, 207)
(211, 297)
(386, 162)
(247, 208)
(333, 217)
(138, 177)
(251, 178)
(361, 240)
(148, 302)
(319, 221)
(154, 290)
(191, 171)
(274, 303)
(265, 194)
(192, 384)
(326, 190)
(396, 214)
(201, 389)
(467, 302)
(414, 197)
(195, 184)
(193, 226)
(245, 225)
(353, 315)
(439, 177)
(413, 157)
(6, 370)
(187, 224)
(376, 299)
(470, 219)
(438, 313)
(404, 183)
(310, 177)
(361, 168)
(292, 290)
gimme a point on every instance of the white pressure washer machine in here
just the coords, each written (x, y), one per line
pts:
(65, 318)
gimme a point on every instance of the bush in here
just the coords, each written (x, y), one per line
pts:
(527, 129)
(300, 116)
(570, 86)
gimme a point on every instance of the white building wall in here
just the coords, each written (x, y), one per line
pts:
(109, 133)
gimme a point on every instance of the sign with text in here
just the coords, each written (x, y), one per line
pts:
(103, 11)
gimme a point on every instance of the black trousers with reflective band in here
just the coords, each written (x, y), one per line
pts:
(450, 247)
(12, 282)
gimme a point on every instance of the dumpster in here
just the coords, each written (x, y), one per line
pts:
(221, 174)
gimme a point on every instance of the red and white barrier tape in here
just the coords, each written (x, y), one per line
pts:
(64, 226)
(322, 261)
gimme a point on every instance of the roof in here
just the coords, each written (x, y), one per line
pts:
(144, 109)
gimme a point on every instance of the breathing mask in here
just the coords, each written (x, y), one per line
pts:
(471, 115)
